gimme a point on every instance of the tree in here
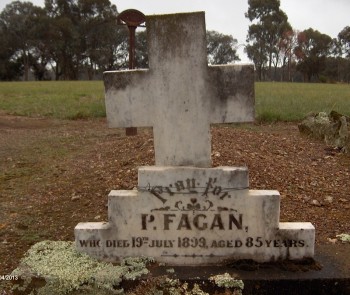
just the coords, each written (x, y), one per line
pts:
(344, 41)
(100, 35)
(344, 54)
(311, 52)
(286, 47)
(76, 37)
(63, 37)
(264, 36)
(141, 50)
(221, 49)
(257, 50)
(85, 37)
(9, 69)
(18, 25)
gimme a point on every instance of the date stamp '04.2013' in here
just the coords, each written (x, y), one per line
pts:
(8, 278)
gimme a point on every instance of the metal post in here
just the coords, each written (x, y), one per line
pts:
(132, 47)
(132, 18)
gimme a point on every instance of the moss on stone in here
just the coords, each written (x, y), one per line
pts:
(66, 270)
(170, 270)
(226, 281)
(345, 238)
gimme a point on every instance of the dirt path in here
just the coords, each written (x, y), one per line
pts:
(54, 174)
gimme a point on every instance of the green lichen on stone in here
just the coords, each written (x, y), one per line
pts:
(174, 287)
(226, 281)
(138, 266)
(197, 291)
(333, 128)
(345, 238)
(170, 270)
(66, 270)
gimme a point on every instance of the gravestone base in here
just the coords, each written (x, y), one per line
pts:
(327, 274)
(195, 216)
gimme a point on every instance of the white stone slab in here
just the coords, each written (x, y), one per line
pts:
(204, 223)
(180, 96)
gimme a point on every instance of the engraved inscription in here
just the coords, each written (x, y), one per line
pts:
(187, 221)
(191, 186)
(199, 195)
(195, 242)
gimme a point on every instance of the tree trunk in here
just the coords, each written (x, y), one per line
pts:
(26, 65)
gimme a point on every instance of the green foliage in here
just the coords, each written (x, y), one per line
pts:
(344, 40)
(221, 48)
(65, 270)
(265, 35)
(17, 27)
(272, 43)
(259, 9)
(225, 280)
(293, 101)
(141, 53)
(59, 99)
(311, 52)
(70, 37)
(345, 238)
(70, 40)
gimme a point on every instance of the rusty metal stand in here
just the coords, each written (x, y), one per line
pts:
(132, 18)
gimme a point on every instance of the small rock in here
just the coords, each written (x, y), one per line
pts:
(333, 241)
(74, 198)
(332, 128)
(316, 203)
(307, 199)
(97, 217)
(328, 199)
(217, 154)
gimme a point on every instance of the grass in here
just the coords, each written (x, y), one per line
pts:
(292, 101)
(58, 99)
(85, 99)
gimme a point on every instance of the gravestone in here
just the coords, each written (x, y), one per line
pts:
(184, 212)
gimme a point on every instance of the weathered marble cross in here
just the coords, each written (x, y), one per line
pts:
(180, 95)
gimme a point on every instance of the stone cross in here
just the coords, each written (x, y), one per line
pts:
(180, 95)
(183, 212)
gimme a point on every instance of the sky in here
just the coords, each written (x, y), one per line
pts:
(227, 16)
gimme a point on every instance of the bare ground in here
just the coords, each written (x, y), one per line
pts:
(55, 174)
